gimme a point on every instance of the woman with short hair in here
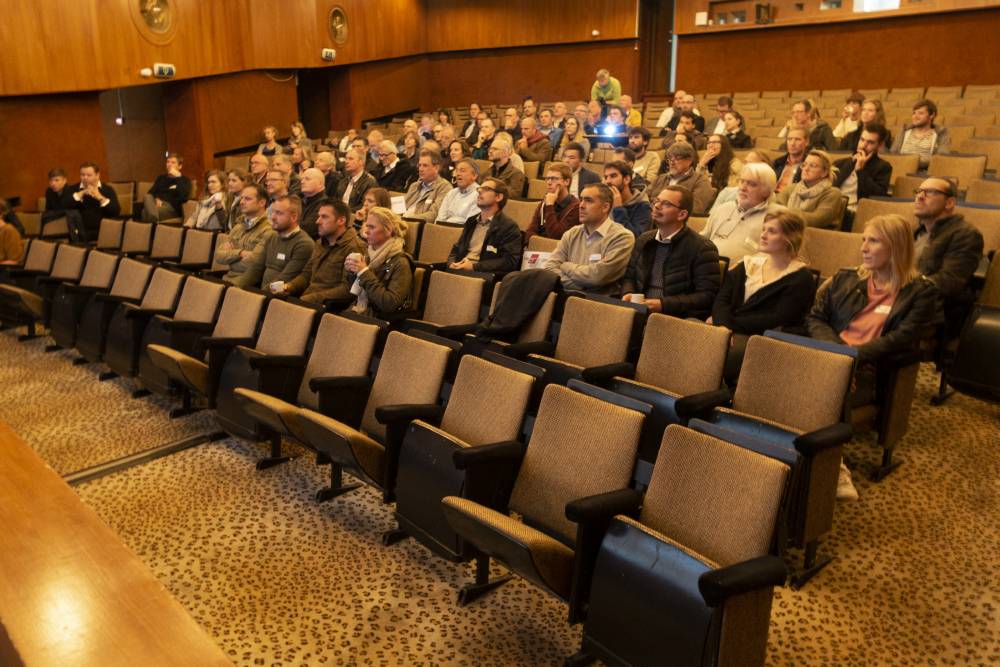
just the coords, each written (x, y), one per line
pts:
(381, 279)
(814, 197)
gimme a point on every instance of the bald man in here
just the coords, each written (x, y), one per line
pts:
(533, 146)
(313, 195)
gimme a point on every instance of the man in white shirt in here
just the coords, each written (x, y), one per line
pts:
(460, 204)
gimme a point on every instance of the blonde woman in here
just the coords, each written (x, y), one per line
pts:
(814, 197)
(381, 278)
(298, 136)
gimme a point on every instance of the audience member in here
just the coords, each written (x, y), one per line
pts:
(445, 117)
(481, 147)
(409, 148)
(381, 278)
(735, 130)
(236, 180)
(56, 195)
(528, 108)
(313, 196)
(647, 162)
(735, 226)
(814, 197)
(948, 249)
(393, 173)
(259, 165)
(558, 210)
(457, 151)
(628, 157)
(283, 164)
(347, 140)
(771, 289)
(633, 117)
(573, 133)
(614, 122)
(582, 112)
(211, 210)
(169, 192)
(922, 137)
(686, 131)
(864, 174)
(686, 104)
(470, 129)
(668, 114)
(503, 169)
(246, 235)
(361, 144)
(460, 203)
(673, 270)
(490, 241)
(284, 254)
(356, 182)
(323, 276)
(595, 114)
(850, 120)
(373, 198)
(426, 129)
(718, 163)
(573, 157)
(606, 89)
(630, 208)
(559, 115)
(327, 164)
(728, 194)
(512, 123)
(301, 159)
(88, 202)
(805, 116)
(717, 125)
(593, 255)
(533, 146)
(871, 113)
(426, 194)
(787, 167)
(297, 136)
(270, 146)
(11, 241)
(680, 162)
(546, 125)
(277, 186)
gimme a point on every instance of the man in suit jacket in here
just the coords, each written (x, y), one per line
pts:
(573, 158)
(864, 174)
(424, 196)
(356, 182)
(393, 174)
(88, 202)
(490, 241)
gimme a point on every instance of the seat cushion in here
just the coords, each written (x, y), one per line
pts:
(186, 370)
(534, 555)
(343, 443)
(280, 416)
(31, 301)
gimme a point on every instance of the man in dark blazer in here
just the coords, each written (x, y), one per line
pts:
(864, 174)
(356, 183)
(393, 174)
(491, 241)
(88, 202)
(572, 157)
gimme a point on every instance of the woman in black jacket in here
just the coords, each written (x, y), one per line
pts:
(736, 131)
(768, 290)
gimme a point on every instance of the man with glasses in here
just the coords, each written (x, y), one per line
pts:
(559, 210)
(490, 241)
(673, 270)
(460, 203)
(630, 208)
(393, 174)
(734, 227)
(276, 184)
(593, 256)
(681, 171)
(948, 249)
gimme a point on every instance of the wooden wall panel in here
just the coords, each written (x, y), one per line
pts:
(40, 133)
(236, 107)
(387, 87)
(135, 149)
(548, 73)
(861, 55)
(454, 25)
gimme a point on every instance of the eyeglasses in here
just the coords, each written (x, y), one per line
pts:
(553, 178)
(930, 191)
(663, 202)
(678, 158)
(385, 155)
(485, 188)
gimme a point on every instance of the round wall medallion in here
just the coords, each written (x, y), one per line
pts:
(155, 19)
(338, 26)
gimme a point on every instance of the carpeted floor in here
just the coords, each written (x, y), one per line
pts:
(278, 580)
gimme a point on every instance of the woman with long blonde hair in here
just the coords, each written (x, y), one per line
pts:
(381, 278)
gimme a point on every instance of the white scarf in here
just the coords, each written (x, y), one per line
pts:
(376, 258)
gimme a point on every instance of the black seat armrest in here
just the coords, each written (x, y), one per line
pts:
(80, 289)
(278, 360)
(114, 298)
(49, 280)
(146, 313)
(814, 442)
(521, 350)
(338, 304)
(24, 273)
(457, 331)
(318, 384)
(188, 325)
(510, 451)
(212, 342)
(719, 585)
(388, 414)
(604, 506)
(602, 374)
(342, 398)
(217, 273)
(397, 420)
(701, 405)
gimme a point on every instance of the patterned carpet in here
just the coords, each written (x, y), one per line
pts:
(278, 580)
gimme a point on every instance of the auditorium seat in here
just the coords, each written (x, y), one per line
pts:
(541, 243)
(195, 313)
(689, 576)
(536, 190)
(436, 241)
(791, 399)
(827, 251)
(188, 360)
(982, 146)
(569, 481)
(30, 301)
(137, 238)
(985, 218)
(870, 207)
(454, 303)
(362, 421)
(680, 365)
(167, 242)
(57, 228)
(38, 258)
(198, 251)
(262, 366)
(983, 191)
(521, 212)
(218, 268)
(160, 296)
(907, 184)
(70, 299)
(109, 236)
(965, 168)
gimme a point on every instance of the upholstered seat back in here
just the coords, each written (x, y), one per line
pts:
(794, 385)
(40, 256)
(682, 357)
(167, 240)
(239, 314)
(411, 371)
(131, 279)
(199, 301)
(487, 402)
(453, 299)
(715, 498)
(828, 250)
(137, 237)
(163, 290)
(342, 348)
(99, 271)
(286, 329)
(197, 247)
(580, 446)
(594, 333)
(69, 262)
(109, 236)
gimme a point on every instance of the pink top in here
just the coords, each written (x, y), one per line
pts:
(867, 324)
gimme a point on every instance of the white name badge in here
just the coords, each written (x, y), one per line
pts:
(281, 256)
(534, 260)
(399, 205)
(596, 257)
(883, 310)
(491, 248)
